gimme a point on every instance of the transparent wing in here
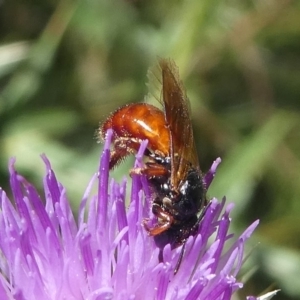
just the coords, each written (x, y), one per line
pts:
(177, 114)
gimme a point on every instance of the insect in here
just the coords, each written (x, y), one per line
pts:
(171, 167)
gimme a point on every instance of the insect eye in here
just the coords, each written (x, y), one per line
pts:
(165, 187)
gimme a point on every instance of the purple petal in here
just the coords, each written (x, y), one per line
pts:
(45, 254)
(209, 176)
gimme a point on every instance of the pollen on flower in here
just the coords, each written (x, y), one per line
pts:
(106, 253)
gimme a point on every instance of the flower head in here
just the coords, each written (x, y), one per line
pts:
(106, 253)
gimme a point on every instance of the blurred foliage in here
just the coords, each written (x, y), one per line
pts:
(65, 65)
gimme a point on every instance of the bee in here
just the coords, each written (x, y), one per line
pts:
(172, 167)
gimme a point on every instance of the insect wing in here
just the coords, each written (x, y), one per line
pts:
(176, 105)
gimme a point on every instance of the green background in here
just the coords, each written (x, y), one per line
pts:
(64, 66)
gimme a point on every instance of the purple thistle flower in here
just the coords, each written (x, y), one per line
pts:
(107, 254)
